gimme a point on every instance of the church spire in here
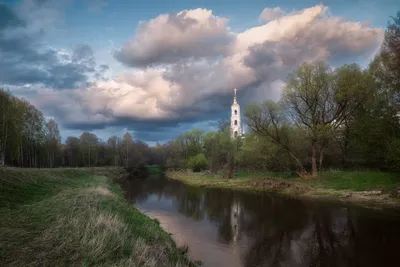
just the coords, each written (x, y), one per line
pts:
(236, 126)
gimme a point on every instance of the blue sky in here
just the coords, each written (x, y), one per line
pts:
(158, 68)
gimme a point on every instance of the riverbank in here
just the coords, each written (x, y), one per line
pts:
(371, 189)
(77, 217)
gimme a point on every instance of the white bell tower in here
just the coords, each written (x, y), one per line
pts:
(236, 125)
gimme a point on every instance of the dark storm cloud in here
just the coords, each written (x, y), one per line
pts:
(23, 60)
(8, 18)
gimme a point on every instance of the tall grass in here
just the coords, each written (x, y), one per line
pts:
(67, 217)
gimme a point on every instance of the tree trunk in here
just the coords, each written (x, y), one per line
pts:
(22, 155)
(321, 157)
(49, 159)
(314, 168)
(53, 158)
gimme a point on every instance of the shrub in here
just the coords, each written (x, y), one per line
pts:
(197, 163)
(393, 155)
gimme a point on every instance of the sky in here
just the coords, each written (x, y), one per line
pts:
(159, 68)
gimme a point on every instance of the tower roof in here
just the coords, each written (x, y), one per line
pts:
(234, 96)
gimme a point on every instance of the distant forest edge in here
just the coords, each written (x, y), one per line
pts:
(345, 117)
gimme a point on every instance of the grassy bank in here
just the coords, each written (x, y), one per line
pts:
(69, 217)
(362, 187)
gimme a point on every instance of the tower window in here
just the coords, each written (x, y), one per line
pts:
(235, 112)
(235, 122)
(235, 133)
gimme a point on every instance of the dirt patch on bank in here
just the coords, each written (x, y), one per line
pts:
(279, 186)
(270, 184)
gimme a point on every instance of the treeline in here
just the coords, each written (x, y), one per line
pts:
(28, 140)
(347, 117)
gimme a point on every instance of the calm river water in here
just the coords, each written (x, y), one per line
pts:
(229, 228)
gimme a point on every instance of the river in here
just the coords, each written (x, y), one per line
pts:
(224, 227)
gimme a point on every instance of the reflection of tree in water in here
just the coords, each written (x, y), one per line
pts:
(192, 203)
(284, 231)
(137, 190)
(327, 236)
(273, 222)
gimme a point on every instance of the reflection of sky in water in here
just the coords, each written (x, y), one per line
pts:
(269, 230)
(200, 236)
(154, 202)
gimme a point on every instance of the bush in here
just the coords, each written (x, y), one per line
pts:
(393, 155)
(197, 163)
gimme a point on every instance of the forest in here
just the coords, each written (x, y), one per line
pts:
(345, 117)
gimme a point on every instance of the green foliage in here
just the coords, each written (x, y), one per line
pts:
(393, 155)
(154, 171)
(197, 163)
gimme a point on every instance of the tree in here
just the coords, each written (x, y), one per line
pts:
(5, 121)
(269, 120)
(88, 142)
(390, 56)
(34, 133)
(112, 144)
(72, 152)
(319, 101)
(126, 145)
(53, 140)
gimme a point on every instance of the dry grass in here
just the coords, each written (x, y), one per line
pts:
(100, 190)
(79, 220)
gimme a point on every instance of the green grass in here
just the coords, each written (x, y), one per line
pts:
(334, 184)
(69, 217)
(336, 180)
(358, 180)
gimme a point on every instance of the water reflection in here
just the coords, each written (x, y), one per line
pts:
(228, 228)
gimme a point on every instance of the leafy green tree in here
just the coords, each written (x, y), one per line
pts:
(320, 100)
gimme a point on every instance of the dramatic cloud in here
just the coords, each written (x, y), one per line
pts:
(305, 36)
(185, 68)
(168, 38)
(25, 60)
